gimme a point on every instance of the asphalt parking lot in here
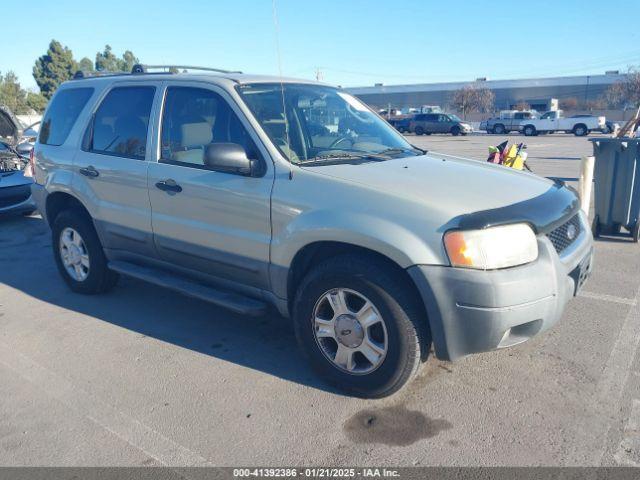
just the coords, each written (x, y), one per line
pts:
(143, 376)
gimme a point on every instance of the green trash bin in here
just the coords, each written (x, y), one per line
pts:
(617, 186)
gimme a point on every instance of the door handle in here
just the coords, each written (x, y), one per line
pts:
(90, 171)
(169, 185)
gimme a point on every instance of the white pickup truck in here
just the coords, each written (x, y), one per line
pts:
(554, 121)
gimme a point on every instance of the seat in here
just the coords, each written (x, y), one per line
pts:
(194, 134)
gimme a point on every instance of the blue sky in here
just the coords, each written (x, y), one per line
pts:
(354, 42)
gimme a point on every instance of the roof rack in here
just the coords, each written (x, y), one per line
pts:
(143, 69)
(139, 68)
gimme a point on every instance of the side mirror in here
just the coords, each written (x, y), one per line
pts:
(228, 158)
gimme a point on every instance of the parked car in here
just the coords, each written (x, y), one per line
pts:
(609, 126)
(15, 188)
(507, 121)
(212, 186)
(401, 124)
(554, 121)
(428, 123)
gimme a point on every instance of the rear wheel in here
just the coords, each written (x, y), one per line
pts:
(360, 324)
(580, 130)
(79, 255)
(419, 131)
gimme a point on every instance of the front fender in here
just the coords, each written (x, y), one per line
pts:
(361, 229)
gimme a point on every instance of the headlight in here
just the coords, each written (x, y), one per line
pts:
(492, 248)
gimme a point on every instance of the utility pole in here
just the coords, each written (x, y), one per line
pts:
(318, 74)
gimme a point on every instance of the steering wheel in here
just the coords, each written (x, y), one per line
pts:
(338, 141)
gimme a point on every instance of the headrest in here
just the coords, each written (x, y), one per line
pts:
(194, 134)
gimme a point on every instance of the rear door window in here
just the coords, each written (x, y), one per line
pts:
(120, 124)
(62, 114)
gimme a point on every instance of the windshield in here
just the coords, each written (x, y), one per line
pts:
(455, 118)
(322, 123)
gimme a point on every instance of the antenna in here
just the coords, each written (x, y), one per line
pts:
(284, 105)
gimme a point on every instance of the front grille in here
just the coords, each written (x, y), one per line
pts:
(561, 238)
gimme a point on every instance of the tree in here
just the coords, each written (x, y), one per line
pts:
(626, 93)
(53, 68)
(570, 103)
(472, 98)
(86, 65)
(19, 101)
(12, 95)
(36, 101)
(106, 61)
(522, 106)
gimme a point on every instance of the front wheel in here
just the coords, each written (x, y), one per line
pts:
(419, 131)
(361, 325)
(455, 131)
(529, 131)
(78, 254)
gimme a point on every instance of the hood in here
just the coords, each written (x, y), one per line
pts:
(10, 129)
(470, 193)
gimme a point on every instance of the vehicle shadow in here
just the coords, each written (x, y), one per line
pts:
(266, 343)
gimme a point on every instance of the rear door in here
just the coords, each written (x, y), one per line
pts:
(112, 167)
(213, 222)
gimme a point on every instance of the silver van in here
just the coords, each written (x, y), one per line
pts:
(252, 191)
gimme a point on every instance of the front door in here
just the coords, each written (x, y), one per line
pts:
(112, 168)
(444, 124)
(213, 222)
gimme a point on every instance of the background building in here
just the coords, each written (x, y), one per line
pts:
(536, 92)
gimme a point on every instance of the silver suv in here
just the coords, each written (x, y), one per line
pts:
(249, 191)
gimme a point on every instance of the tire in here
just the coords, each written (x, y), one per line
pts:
(580, 130)
(99, 278)
(455, 131)
(404, 324)
(498, 129)
(419, 131)
(529, 131)
(635, 232)
(595, 227)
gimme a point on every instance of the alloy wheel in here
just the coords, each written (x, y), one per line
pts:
(74, 254)
(350, 331)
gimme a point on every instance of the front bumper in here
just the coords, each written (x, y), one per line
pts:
(16, 199)
(473, 311)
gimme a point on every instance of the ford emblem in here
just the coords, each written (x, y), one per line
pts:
(571, 232)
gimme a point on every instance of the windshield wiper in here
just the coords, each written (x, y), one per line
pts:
(416, 150)
(336, 157)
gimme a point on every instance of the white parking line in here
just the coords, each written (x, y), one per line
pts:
(628, 453)
(609, 298)
(616, 372)
(129, 429)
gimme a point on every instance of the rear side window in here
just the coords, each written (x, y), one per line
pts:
(120, 124)
(62, 114)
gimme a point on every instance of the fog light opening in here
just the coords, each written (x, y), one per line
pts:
(520, 333)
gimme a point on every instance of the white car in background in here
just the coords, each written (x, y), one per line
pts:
(554, 121)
